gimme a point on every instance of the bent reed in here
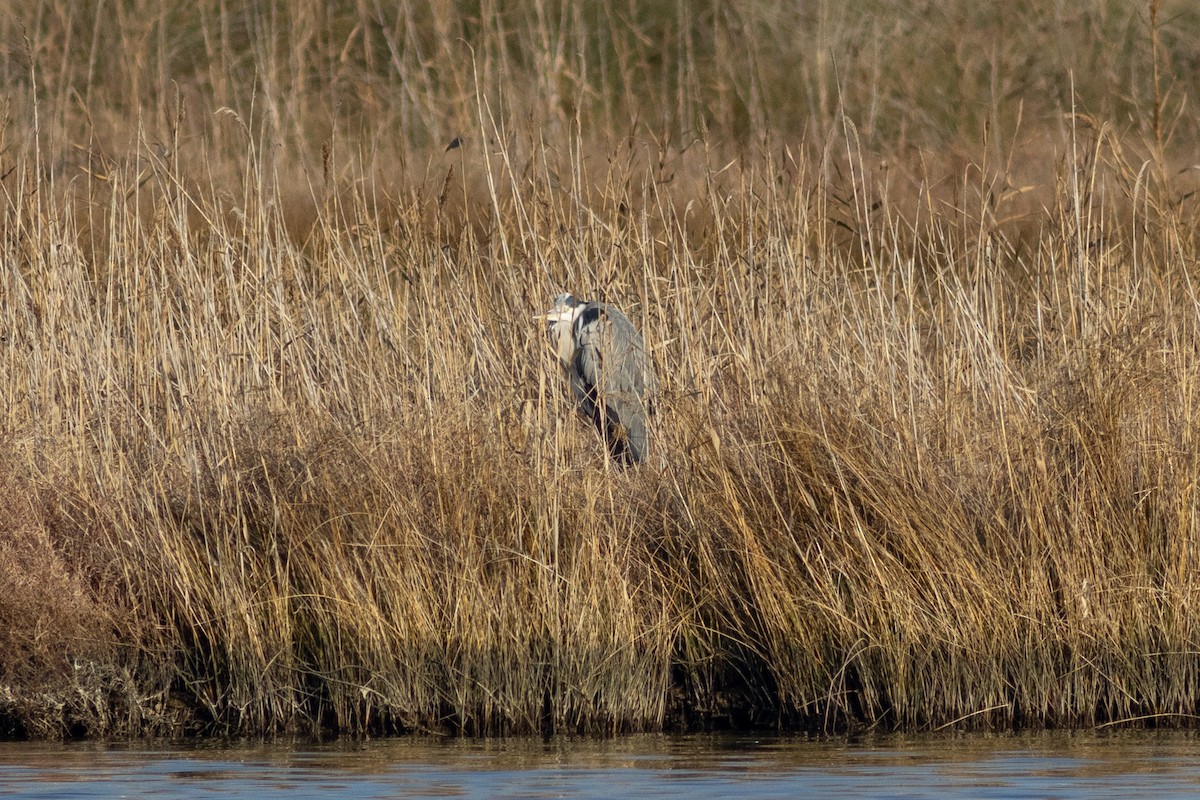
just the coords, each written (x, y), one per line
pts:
(283, 447)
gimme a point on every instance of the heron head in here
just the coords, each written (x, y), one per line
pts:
(565, 309)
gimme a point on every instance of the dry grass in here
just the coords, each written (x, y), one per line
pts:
(282, 446)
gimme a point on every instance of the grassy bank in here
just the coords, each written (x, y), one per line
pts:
(283, 448)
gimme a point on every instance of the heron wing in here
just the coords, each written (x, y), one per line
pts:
(610, 376)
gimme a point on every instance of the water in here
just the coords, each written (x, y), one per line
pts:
(1053, 766)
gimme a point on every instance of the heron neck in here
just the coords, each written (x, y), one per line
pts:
(565, 339)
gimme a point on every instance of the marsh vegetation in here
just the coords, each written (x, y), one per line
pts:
(283, 448)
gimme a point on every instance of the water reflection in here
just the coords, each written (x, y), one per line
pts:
(692, 767)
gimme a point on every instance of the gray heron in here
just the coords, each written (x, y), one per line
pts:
(605, 361)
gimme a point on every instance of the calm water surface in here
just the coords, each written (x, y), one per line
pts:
(691, 767)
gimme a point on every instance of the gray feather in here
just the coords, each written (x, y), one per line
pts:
(605, 360)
